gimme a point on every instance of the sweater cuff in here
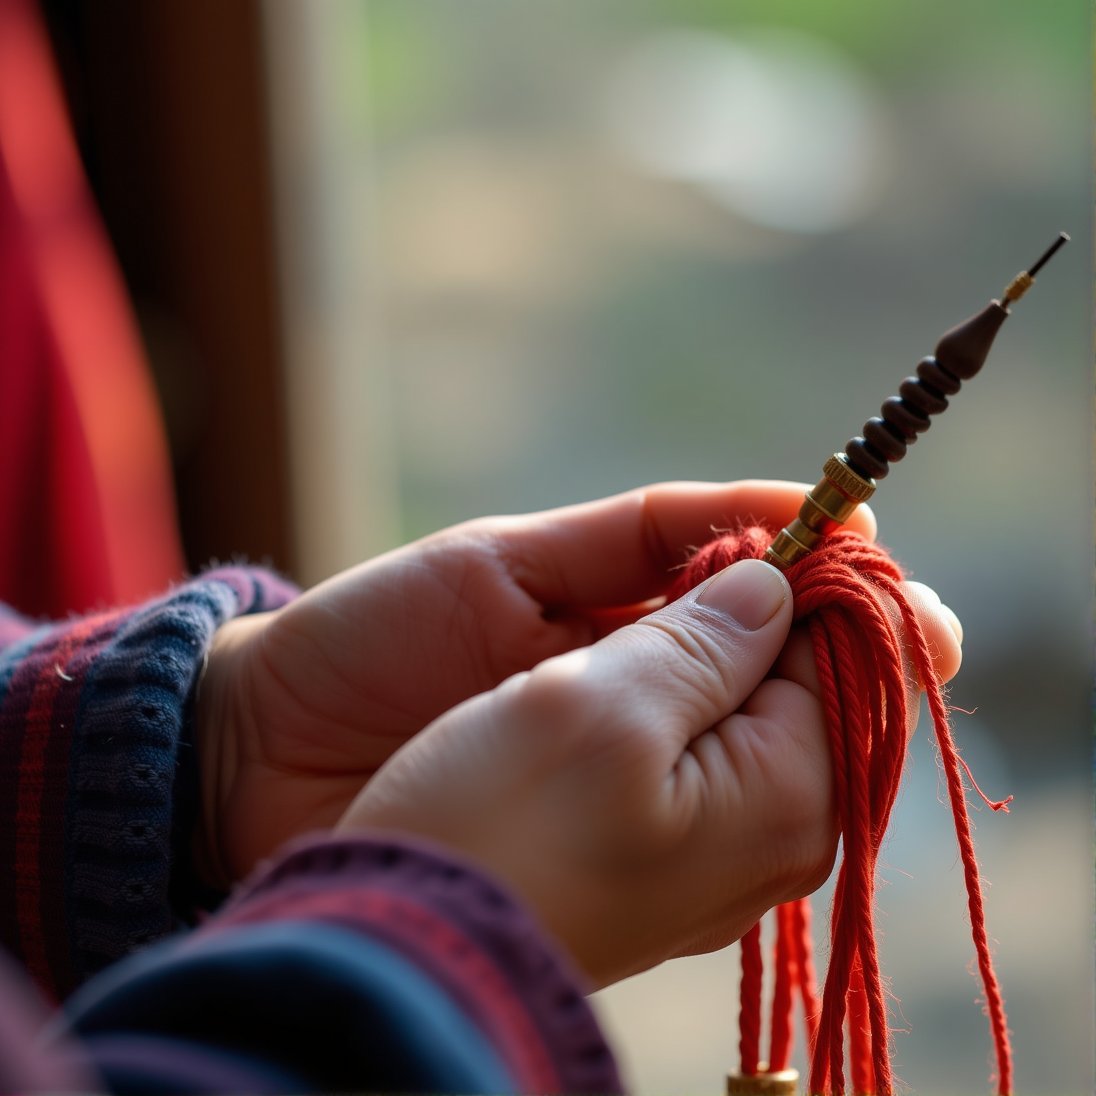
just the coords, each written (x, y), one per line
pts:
(463, 929)
(93, 715)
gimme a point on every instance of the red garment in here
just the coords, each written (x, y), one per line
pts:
(86, 508)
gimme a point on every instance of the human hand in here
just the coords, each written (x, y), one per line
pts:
(650, 795)
(298, 708)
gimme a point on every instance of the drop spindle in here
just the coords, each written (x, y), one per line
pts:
(849, 478)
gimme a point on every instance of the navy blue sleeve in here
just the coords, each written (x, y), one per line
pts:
(370, 964)
(284, 1007)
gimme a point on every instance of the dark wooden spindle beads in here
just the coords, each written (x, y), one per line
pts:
(938, 380)
(848, 478)
(960, 353)
(904, 416)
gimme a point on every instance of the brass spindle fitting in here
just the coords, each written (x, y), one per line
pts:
(1017, 288)
(827, 505)
(1026, 278)
(784, 1082)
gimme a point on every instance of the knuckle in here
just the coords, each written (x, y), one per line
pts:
(558, 693)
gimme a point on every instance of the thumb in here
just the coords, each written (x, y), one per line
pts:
(683, 668)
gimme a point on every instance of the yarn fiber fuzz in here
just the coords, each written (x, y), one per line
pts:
(865, 634)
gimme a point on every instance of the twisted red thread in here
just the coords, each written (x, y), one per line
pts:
(827, 1065)
(860, 1040)
(842, 592)
(804, 961)
(786, 972)
(867, 1013)
(949, 756)
(749, 1005)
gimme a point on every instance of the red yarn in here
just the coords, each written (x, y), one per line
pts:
(804, 959)
(785, 974)
(749, 996)
(845, 593)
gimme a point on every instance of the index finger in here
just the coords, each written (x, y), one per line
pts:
(623, 549)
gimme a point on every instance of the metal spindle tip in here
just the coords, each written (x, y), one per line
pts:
(1063, 238)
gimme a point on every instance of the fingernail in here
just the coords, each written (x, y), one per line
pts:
(750, 592)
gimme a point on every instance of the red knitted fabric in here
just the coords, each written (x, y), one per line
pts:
(848, 594)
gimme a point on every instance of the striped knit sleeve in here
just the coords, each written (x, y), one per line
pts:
(96, 767)
(366, 963)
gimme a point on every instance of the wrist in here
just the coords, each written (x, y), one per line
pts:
(220, 712)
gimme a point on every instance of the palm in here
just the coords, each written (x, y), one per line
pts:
(362, 663)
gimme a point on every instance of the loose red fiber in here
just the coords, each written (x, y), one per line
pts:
(847, 592)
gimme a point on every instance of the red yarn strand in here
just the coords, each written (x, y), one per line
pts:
(786, 971)
(860, 1038)
(749, 1007)
(804, 961)
(949, 756)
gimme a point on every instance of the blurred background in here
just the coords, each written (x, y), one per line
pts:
(397, 263)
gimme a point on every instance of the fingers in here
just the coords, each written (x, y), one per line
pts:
(579, 756)
(710, 773)
(943, 632)
(676, 672)
(940, 626)
(623, 549)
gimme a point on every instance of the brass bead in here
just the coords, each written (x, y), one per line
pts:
(850, 483)
(827, 505)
